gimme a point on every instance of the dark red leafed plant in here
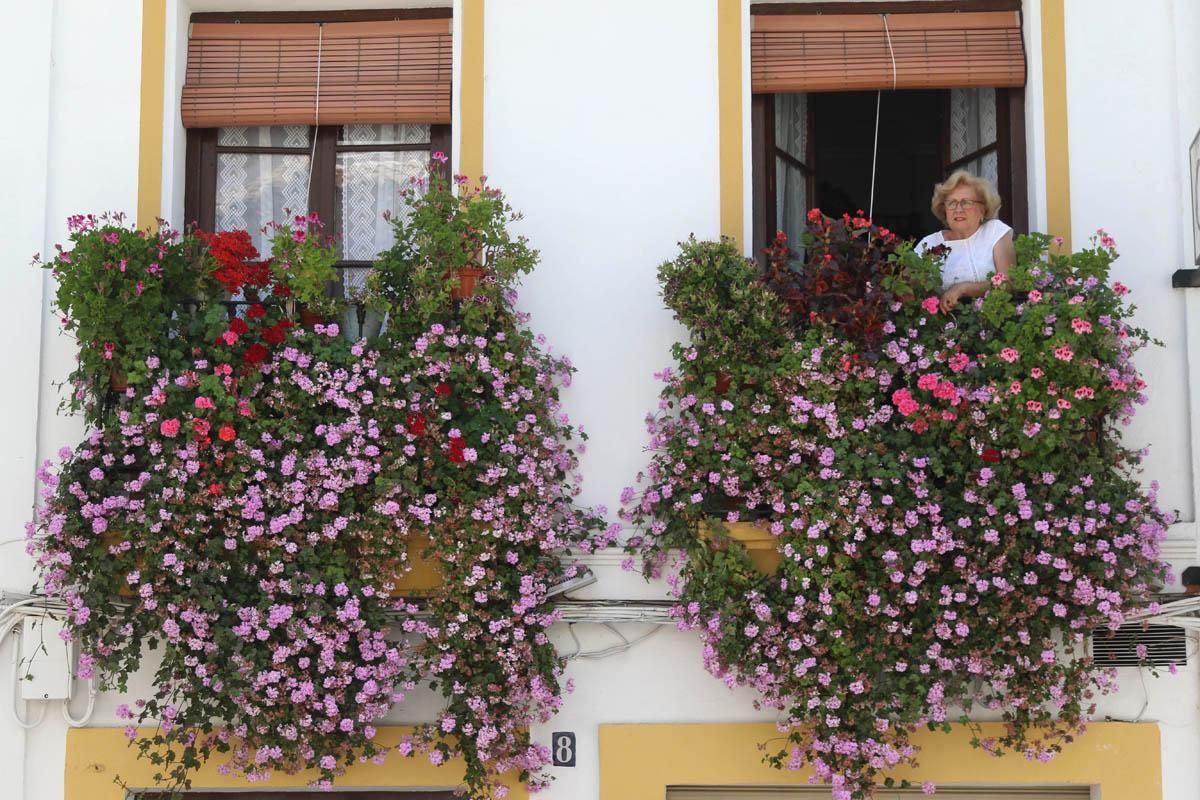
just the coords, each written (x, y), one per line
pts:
(840, 277)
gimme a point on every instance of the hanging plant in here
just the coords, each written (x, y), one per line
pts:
(257, 500)
(948, 531)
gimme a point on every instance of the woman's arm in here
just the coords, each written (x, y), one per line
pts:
(1004, 255)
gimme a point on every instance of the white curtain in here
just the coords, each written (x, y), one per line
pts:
(973, 126)
(369, 184)
(254, 189)
(791, 184)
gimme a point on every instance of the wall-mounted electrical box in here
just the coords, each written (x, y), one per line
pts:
(44, 672)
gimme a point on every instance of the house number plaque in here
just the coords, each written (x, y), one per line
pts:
(563, 745)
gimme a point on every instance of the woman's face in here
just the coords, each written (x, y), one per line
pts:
(964, 211)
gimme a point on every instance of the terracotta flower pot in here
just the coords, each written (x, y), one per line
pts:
(310, 318)
(467, 278)
(724, 380)
(118, 381)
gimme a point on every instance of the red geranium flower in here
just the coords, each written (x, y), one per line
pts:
(215, 488)
(256, 353)
(274, 334)
(227, 433)
(990, 455)
(442, 389)
(256, 311)
(238, 326)
(279, 290)
(201, 426)
(415, 424)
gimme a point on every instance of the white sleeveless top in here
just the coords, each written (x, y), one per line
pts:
(970, 259)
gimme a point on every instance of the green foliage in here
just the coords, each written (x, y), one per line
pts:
(116, 288)
(443, 227)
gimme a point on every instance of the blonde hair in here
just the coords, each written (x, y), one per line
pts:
(960, 177)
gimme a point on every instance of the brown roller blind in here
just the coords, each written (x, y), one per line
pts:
(266, 73)
(849, 52)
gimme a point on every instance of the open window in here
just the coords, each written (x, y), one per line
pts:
(946, 90)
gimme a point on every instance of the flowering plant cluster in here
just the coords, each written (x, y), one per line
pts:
(252, 506)
(447, 226)
(846, 276)
(952, 508)
(116, 289)
(237, 266)
(302, 261)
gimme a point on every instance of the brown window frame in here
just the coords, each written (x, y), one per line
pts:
(1011, 163)
(200, 170)
(1011, 166)
(202, 149)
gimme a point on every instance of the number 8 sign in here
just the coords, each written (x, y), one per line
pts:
(563, 747)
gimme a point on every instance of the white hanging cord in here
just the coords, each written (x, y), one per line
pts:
(878, 98)
(874, 156)
(312, 156)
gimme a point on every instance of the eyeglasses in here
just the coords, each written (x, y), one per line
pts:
(962, 205)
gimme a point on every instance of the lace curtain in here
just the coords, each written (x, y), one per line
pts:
(254, 189)
(368, 185)
(973, 126)
(791, 184)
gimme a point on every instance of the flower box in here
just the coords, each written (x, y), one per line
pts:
(424, 574)
(761, 545)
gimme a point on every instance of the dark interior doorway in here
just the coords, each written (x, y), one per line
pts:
(911, 125)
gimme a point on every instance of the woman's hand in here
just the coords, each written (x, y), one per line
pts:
(952, 296)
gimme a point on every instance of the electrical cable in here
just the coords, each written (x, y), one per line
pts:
(87, 714)
(16, 663)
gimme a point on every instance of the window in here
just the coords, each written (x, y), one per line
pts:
(244, 177)
(947, 89)
(327, 112)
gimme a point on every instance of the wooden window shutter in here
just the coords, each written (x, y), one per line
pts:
(387, 71)
(849, 52)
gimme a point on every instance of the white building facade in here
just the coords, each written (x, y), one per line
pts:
(620, 128)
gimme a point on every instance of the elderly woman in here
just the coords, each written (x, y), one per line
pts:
(979, 244)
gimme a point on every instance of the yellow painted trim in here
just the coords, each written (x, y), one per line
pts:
(729, 122)
(97, 756)
(150, 127)
(470, 157)
(1054, 94)
(639, 762)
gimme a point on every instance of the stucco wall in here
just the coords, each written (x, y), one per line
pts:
(600, 121)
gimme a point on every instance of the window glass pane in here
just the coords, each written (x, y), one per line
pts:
(254, 189)
(791, 125)
(275, 136)
(383, 134)
(791, 201)
(972, 120)
(367, 185)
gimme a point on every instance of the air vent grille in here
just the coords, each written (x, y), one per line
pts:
(1165, 644)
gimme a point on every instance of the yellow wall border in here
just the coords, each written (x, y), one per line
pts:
(470, 102)
(1054, 99)
(729, 114)
(150, 127)
(96, 756)
(638, 762)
